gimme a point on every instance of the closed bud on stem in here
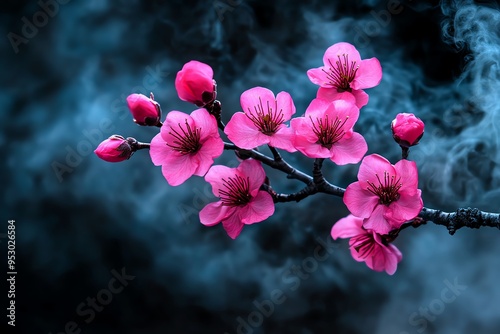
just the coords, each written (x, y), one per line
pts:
(407, 129)
(116, 149)
(145, 110)
(195, 84)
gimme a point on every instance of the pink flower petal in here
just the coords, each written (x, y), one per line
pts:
(319, 77)
(406, 207)
(260, 208)
(397, 253)
(385, 258)
(361, 98)
(347, 227)
(233, 225)
(377, 260)
(343, 110)
(243, 132)
(310, 149)
(255, 98)
(159, 151)
(360, 202)
(302, 126)
(371, 166)
(338, 50)
(331, 94)
(285, 104)
(349, 151)
(407, 170)
(369, 74)
(178, 170)
(211, 149)
(283, 139)
(214, 213)
(216, 174)
(254, 171)
(174, 118)
(377, 221)
(206, 123)
(318, 105)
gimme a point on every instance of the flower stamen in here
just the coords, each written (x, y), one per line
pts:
(342, 73)
(237, 192)
(386, 190)
(328, 132)
(186, 140)
(363, 244)
(265, 119)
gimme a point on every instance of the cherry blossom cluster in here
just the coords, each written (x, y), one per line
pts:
(383, 199)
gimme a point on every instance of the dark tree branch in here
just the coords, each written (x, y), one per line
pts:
(276, 154)
(463, 217)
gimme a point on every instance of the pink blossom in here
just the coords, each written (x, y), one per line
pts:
(407, 129)
(344, 75)
(262, 120)
(114, 149)
(195, 84)
(386, 195)
(145, 110)
(367, 245)
(326, 131)
(186, 145)
(241, 200)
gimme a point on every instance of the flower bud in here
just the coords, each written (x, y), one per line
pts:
(114, 149)
(407, 129)
(145, 110)
(195, 83)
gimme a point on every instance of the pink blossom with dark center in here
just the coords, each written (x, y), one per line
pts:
(386, 195)
(345, 75)
(326, 131)
(241, 200)
(195, 83)
(262, 120)
(186, 145)
(367, 245)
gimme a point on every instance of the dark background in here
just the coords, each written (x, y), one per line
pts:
(75, 224)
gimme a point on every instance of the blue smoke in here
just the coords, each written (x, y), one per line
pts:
(78, 218)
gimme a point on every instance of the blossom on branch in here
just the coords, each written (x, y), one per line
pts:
(241, 200)
(186, 145)
(195, 83)
(407, 129)
(326, 131)
(344, 75)
(262, 120)
(367, 245)
(385, 195)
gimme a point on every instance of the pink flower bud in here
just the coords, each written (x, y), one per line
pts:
(407, 129)
(195, 83)
(145, 110)
(114, 149)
